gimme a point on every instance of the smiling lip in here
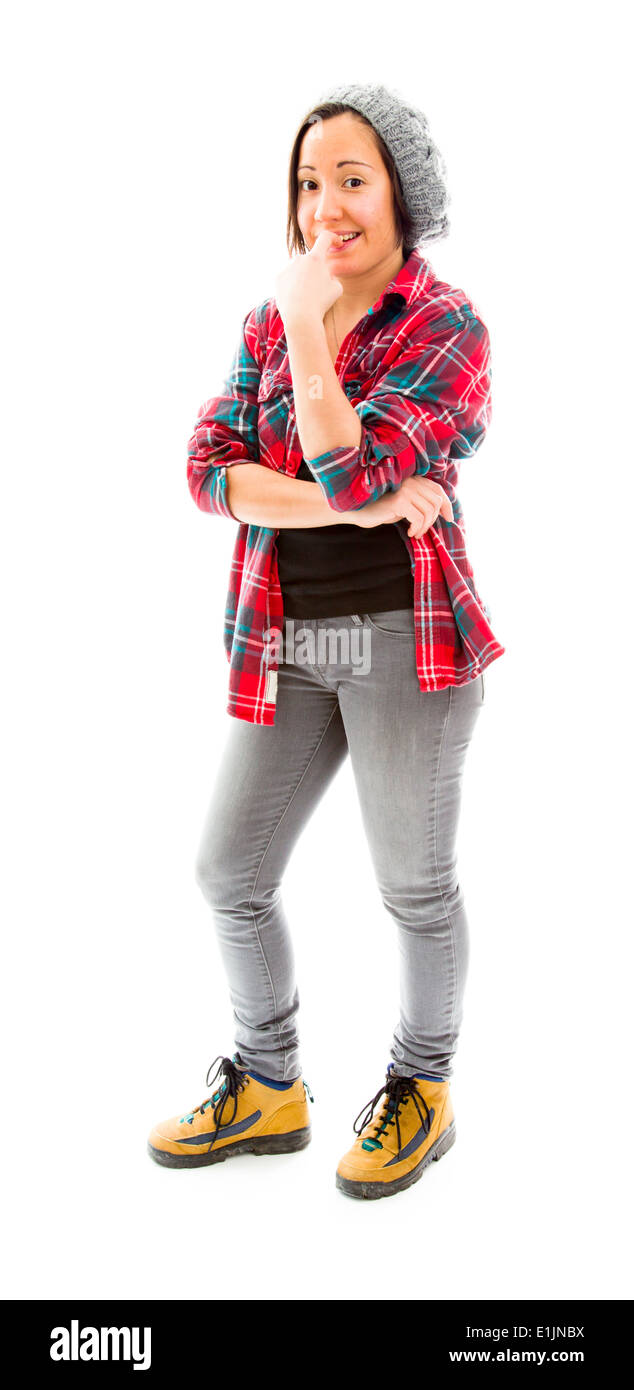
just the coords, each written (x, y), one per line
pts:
(341, 246)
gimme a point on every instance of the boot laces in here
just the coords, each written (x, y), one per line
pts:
(398, 1091)
(235, 1080)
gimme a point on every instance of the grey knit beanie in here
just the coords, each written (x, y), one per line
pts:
(420, 165)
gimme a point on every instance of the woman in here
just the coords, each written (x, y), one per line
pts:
(353, 395)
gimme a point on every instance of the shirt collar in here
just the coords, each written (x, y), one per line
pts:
(409, 283)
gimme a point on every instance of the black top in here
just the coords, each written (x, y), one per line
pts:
(340, 569)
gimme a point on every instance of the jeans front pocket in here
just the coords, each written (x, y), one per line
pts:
(394, 622)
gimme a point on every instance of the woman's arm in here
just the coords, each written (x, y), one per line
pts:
(260, 495)
(267, 498)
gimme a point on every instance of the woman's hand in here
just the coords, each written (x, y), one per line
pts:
(306, 288)
(418, 499)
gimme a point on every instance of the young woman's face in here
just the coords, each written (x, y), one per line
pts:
(344, 186)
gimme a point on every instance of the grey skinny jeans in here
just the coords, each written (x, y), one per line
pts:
(358, 695)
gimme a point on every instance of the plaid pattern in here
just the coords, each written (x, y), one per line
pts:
(417, 370)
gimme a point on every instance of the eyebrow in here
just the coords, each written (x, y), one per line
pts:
(339, 165)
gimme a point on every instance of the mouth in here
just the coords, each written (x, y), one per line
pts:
(340, 246)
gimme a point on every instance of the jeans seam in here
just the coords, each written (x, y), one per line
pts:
(255, 881)
(442, 895)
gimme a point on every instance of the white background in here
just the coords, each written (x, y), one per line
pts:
(145, 167)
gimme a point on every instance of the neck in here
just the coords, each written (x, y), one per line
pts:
(360, 291)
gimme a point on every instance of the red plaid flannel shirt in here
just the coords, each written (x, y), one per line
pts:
(417, 370)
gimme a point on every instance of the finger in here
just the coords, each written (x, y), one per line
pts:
(325, 240)
(434, 487)
(428, 488)
(442, 502)
(418, 514)
(439, 501)
(429, 519)
(445, 508)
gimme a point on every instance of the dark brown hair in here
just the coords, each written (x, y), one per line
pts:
(294, 238)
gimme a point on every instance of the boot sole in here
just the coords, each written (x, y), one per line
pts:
(266, 1144)
(387, 1189)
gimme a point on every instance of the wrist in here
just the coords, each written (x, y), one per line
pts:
(306, 321)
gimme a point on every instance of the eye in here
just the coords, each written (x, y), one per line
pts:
(352, 177)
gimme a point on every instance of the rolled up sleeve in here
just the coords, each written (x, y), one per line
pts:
(433, 400)
(226, 432)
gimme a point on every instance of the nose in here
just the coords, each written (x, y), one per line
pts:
(328, 206)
